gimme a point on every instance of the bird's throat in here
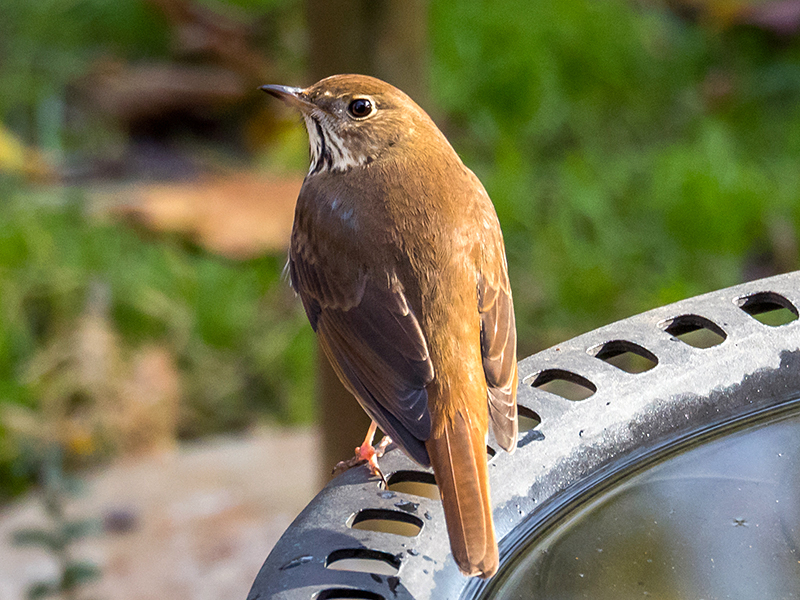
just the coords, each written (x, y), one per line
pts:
(329, 151)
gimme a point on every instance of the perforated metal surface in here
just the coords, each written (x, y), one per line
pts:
(627, 417)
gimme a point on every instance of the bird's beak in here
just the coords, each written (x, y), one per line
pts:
(291, 95)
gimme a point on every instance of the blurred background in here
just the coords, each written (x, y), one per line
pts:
(159, 419)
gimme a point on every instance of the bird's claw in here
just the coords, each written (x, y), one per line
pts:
(369, 454)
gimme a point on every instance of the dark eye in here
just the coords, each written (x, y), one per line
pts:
(360, 108)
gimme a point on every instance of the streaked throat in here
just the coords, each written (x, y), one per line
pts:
(328, 150)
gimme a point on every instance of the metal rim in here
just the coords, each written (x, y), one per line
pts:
(626, 417)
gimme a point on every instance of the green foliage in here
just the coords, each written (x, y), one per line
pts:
(58, 538)
(46, 45)
(634, 158)
(239, 337)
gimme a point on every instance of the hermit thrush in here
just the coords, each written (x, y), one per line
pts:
(398, 258)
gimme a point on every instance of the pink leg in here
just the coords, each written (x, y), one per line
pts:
(366, 452)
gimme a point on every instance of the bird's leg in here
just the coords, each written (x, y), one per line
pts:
(368, 453)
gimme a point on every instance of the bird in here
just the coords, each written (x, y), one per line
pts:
(399, 261)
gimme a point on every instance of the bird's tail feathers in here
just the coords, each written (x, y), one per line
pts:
(458, 455)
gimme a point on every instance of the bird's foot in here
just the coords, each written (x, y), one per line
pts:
(366, 453)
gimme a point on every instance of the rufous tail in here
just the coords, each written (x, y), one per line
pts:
(458, 456)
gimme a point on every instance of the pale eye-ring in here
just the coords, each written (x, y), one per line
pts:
(361, 108)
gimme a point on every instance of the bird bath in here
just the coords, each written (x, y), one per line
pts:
(656, 455)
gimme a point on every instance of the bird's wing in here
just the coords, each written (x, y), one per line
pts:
(499, 347)
(373, 340)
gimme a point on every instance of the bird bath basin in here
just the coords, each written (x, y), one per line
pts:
(657, 456)
(720, 519)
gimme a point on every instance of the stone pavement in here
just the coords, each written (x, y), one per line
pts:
(195, 522)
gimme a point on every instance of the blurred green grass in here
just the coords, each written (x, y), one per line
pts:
(239, 338)
(207, 309)
(635, 158)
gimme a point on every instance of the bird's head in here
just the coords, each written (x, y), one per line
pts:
(354, 120)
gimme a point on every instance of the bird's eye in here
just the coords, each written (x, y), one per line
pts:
(361, 108)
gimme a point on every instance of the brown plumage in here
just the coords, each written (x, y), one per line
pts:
(398, 258)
